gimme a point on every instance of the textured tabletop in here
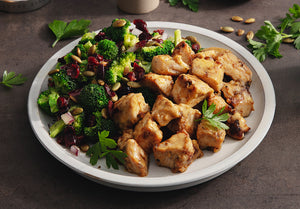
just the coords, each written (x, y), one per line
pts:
(33, 178)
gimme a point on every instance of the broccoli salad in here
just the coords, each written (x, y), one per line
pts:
(124, 93)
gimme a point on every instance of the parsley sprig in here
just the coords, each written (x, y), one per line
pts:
(215, 120)
(192, 4)
(12, 79)
(271, 38)
(106, 147)
(63, 30)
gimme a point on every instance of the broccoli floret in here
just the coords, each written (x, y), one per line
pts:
(117, 33)
(130, 40)
(68, 58)
(148, 52)
(108, 49)
(63, 83)
(78, 123)
(101, 125)
(83, 51)
(93, 97)
(57, 128)
(90, 36)
(145, 65)
(116, 70)
(47, 101)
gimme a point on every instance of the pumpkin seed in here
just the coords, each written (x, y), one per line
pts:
(153, 43)
(78, 51)
(104, 113)
(288, 40)
(92, 50)
(88, 73)
(250, 35)
(53, 71)
(240, 32)
(119, 23)
(114, 98)
(73, 99)
(75, 58)
(77, 111)
(193, 39)
(84, 147)
(227, 29)
(125, 79)
(133, 84)
(101, 82)
(237, 18)
(116, 86)
(250, 20)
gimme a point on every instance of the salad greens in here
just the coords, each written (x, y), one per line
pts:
(12, 79)
(271, 38)
(192, 4)
(63, 30)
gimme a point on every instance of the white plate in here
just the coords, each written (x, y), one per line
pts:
(159, 178)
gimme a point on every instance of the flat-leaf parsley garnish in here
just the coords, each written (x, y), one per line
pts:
(106, 147)
(215, 120)
(12, 79)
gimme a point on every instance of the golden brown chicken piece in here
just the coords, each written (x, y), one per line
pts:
(176, 153)
(237, 126)
(185, 51)
(129, 109)
(190, 90)
(127, 134)
(219, 102)
(147, 133)
(164, 110)
(187, 121)
(209, 71)
(239, 97)
(167, 65)
(162, 84)
(137, 159)
(209, 136)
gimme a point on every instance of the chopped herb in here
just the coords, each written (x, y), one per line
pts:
(215, 120)
(63, 30)
(106, 147)
(11, 79)
(272, 38)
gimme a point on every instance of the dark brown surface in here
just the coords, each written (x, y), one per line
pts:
(32, 178)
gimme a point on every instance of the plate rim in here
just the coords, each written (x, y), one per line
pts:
(165, 183)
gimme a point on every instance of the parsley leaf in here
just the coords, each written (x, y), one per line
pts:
(191, 4)
(11, 79)
(106, 147)
(271, 39)
(215, 120)
(63, 30)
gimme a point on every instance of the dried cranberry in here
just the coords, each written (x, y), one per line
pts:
(62, 104)
(141, 25)
(99, 57)
(109, 92)
(101, 71)
(73, 71)
(158, 40)
(69, 136)
(138, 71)
(145, 36)
(159, 31)
(93, 61)
(100, 36)
(110, 107)
(195, 47)
(61, 60)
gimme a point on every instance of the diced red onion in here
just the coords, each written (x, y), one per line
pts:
(74, 150)
(67, 118)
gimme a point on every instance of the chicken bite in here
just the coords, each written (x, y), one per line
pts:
(167, 65)
(162, 84)
(190, 90)
(185, 51)
(127, 134)
(209, 136)
(164, 110)
(176, 153)
(187, 121)
(209, 71)
(237, 126)
(137, 159)
(219, 102)
(147, 133)
(129, 109)
(239, 97)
